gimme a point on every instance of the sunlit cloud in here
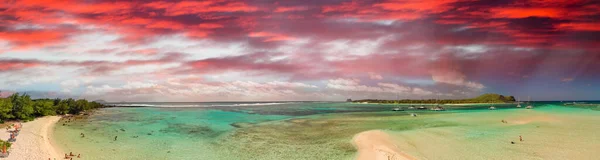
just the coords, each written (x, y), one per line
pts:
(305, 50)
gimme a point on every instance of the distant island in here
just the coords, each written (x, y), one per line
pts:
(485, 98)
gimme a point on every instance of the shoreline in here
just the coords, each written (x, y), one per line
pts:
(35, 140)
(377, 145)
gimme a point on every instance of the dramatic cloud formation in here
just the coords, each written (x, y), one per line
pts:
(299, 50)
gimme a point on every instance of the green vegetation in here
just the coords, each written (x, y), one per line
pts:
(485, 98)
(4, 143)
(22, 107)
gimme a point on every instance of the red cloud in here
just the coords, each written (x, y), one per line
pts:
(418, 6)
(75, 6)
(230, 20)
(23, 39)
(580, 26)
(209, 25)
(344, 7)
(553, 27)
(194, 7)
(165, 25)
(289, 9)
(270, 36)
(12, 65)
(242, 63)
(527, 12)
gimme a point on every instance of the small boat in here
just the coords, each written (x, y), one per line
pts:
(529, 107)
(398, 108)
(492, 108)
(518, 105)
(422, 107)
(411, 107)
(438, 108)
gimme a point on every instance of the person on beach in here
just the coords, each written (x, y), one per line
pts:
(78, 155)
(521, 138)
(115, 138)
(71, 154)
(66, 156)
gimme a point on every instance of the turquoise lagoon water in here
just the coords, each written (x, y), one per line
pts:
(233, 130)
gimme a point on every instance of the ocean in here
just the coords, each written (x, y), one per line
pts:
(323, 130)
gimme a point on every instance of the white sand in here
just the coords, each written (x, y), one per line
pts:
(34, 141)
(377, 145)
(548, 134)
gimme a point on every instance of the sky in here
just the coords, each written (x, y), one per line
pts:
(309, 50)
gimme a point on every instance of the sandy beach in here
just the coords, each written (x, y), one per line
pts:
(377, 145)
(34, 142)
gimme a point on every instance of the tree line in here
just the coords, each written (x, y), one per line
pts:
(22, 107)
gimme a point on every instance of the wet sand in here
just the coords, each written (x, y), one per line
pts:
(377, 145)
(562, 134)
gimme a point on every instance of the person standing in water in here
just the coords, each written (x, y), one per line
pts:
(115, 138)
(521, 138)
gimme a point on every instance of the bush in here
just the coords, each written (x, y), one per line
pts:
(4, 143)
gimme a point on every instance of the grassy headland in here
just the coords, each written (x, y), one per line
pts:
(485, 98)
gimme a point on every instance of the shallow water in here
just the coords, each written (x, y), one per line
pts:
(323, 131)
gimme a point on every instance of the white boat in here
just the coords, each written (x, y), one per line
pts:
(519, 103)
(492, 108)
(438, 108)
(398, 108)
(529, 106)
